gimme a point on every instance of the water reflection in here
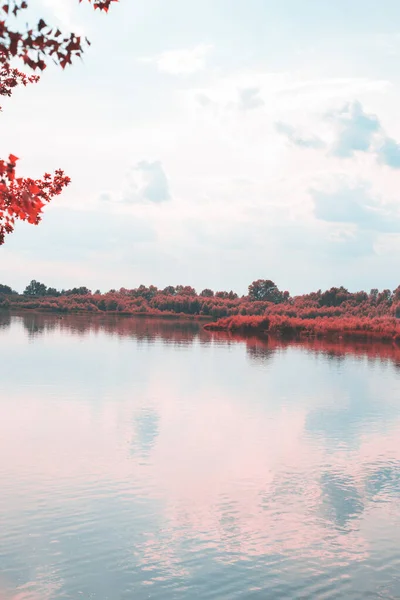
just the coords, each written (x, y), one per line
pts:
(181, 331)
(146, 429)
(152, 460)
(384, 482)
(187, 331)
(5, 319)
(341, 499)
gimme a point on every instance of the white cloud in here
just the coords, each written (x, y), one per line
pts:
(356, 205)
(145, 183)
(249, 99)
(64, 13)
(353, 131)
(242, 207)
(287, 93)
(181, 62)
(303, 141)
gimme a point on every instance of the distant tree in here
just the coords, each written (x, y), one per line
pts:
(334, 297)
(35, 288)
(396, 294)
(373, 295)
(145, 292)
(226, 295)
(264, 290)
(52, 292)
(5, 289)
(78, 291)
(384, 296)
(360, 297)
(169, 291)
(185, 290)
(111, 304)
(207, 293)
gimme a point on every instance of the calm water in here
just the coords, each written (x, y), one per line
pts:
(145, 459)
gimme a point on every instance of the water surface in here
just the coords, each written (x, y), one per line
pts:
(149, 459)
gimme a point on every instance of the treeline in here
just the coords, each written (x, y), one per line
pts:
(263, 298)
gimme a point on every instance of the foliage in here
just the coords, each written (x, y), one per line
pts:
(279, 325)
(6, 290)
(23, 198)
(35, 288)
(265, 290)
(335, 312)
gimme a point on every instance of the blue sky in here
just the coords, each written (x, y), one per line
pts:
(212, 143)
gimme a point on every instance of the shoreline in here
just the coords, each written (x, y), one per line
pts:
(258, 343)
(330, 329)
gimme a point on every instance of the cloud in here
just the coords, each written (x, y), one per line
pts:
(355, 206)
(389, 153)
(149, 183)
(204, 100)
(181, 62)
(79, 235)
(362, 132)
(298, 140)
(249, 98)
(355, 130)
(63, 12)
(145, 183)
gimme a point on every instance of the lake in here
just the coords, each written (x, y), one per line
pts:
(150, 459)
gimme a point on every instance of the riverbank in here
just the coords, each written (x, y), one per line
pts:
(279, 326)
(379, 329)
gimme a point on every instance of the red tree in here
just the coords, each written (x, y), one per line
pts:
(24, 198)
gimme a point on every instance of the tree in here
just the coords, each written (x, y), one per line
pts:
(207, 293)
(35, 288)
(185, 290)
(5, 289)
(373, 295)
(169, 290)
(384, 296)
(79, 291)
(264, 290)
(24, 198)
(52, 292)
(334, 297)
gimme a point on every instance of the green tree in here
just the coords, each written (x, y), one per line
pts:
(35, 288)
(207, 293)
(6, 290)
(265, 290)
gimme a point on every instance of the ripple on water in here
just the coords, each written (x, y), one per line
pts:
(165, 467)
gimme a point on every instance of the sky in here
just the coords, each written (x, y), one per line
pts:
(213, 143)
